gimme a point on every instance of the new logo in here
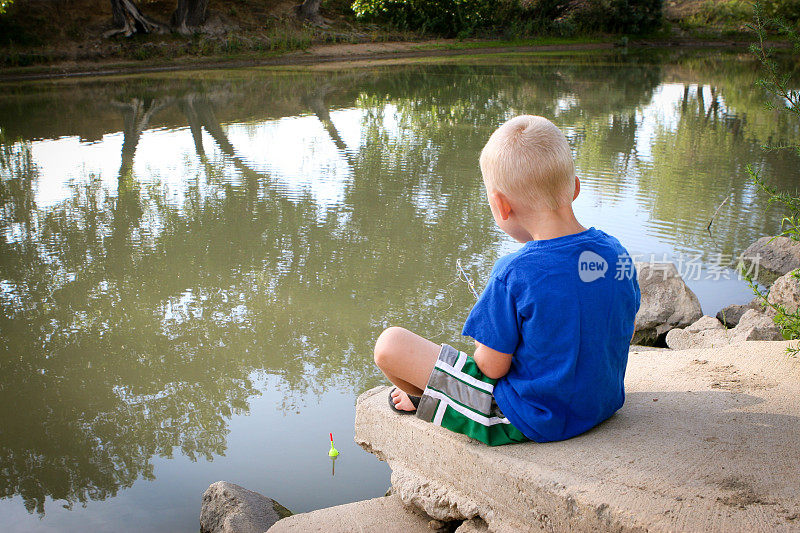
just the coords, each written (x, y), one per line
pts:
(591, 266)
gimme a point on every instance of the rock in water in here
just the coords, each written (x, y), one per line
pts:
(667, 302)
(775, 256)
(786, 292)
(229, 508)
(731, 315)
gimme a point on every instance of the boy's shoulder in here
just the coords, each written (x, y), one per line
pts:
(552, 255)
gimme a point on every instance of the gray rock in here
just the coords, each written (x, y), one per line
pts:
(731, 315)
(438, 502)
(640, 348)
(436, 525)
(706, 322)
(786, 292)
(476, 525)
(701, 334)
(708, 332)
(756, 326)
(775, 256)
(667, 302)
(229, 508)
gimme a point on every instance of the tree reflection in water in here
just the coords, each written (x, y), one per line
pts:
(132, 323)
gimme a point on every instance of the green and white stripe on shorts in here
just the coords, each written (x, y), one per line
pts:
(460, 398)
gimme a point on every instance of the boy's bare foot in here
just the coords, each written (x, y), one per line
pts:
(402, 401)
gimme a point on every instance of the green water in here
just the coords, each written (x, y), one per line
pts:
(194, 266)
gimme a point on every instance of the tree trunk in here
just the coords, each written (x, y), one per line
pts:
(118, 14)
(309, 9)
(316, 101)
(189, 14)
(130, 20)
(128, 209)
(187, 105)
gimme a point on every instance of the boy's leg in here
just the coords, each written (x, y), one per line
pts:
(459, 397)
(406, 359)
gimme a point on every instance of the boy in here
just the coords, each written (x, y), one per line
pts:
(553, 325)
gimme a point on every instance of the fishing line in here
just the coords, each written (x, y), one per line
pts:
(461, 275)
(466, 278)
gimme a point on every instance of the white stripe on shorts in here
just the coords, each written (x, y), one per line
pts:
(462, 358)
(445, 401)
(456, 372)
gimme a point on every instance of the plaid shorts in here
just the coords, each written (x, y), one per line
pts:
(460, 398)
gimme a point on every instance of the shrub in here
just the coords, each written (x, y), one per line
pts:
(468, 17)
(618, 16)
(729, 13)
(786, 10)
(443, 17)
(777, 83)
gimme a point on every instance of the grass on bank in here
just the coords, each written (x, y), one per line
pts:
(510, 43)
(730, 15)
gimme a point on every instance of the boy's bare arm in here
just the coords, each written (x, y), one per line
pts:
(492, 363)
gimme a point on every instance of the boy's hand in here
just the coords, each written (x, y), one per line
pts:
(492, 363)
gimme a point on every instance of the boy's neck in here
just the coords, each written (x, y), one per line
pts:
(550, 224)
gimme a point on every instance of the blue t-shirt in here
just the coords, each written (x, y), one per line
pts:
(565, 309)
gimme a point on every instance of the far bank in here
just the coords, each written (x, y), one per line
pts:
(367, 54)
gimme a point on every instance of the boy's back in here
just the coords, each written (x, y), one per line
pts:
(553, 325)
(565, 308)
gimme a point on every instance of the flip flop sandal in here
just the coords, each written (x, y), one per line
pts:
(414, 400)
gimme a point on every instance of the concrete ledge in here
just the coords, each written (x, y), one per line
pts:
(386, 514)
(707, 441)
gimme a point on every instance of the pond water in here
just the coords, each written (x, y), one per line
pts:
(194, 266)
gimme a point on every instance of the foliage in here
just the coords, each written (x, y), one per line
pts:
(727, 13)
(468, 17)
(444, 17)
(4, 5)
(13, 32)
(787, 322)
(619, 16)
(785, 10)
(777, 83)
(790, 224)
(739, 13)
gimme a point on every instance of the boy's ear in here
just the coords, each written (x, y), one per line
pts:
(501, 203)
(577, 188)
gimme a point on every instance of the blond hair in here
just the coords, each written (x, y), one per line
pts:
(529, 160)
